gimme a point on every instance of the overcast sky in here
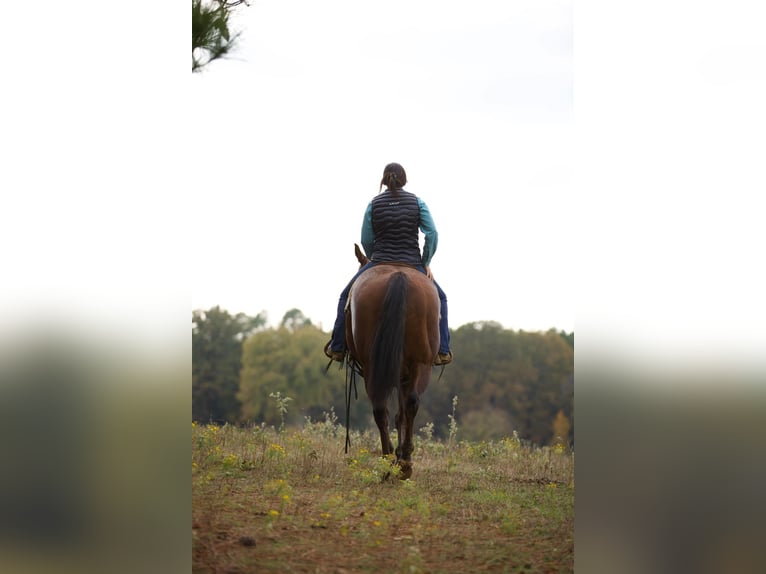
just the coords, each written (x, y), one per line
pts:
(622, 186)
(475, 100)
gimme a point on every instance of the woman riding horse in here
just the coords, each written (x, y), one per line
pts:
(390, 235)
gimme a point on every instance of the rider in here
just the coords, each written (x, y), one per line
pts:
(390, 234)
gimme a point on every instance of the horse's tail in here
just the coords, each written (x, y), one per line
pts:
(388, 344)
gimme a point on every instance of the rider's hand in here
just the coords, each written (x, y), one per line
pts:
(429, 274)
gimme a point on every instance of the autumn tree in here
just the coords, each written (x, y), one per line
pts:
(561, 428)
(528, 376)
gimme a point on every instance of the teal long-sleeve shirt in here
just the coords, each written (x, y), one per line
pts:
(427, 226)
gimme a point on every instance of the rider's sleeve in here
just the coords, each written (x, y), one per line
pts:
(368, 235)
(428, 228)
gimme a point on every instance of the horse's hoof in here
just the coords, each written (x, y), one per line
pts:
(406, 470)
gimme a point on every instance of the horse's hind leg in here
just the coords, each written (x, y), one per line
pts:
(408, 408)
(380, 412)
(399, 421)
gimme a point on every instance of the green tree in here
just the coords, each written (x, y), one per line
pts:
(568, 337)
(211, 37)
(291, 362)
(294, 319)
(507, 381)
(217, 338)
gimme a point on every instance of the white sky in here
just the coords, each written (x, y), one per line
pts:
(619, 181)
(473, 99)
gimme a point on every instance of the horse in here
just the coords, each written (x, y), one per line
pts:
(392, 333)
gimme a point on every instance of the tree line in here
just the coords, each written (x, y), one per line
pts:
(505, 380)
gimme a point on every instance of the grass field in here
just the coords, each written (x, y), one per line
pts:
(293, 501)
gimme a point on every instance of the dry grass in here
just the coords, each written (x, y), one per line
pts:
(265, 501)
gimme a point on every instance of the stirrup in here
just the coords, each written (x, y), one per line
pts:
(443, 359)
(333, 355)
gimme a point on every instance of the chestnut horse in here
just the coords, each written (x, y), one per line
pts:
(392, 331)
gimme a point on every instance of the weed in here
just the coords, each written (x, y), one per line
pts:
(281, 407)
(453, 422)
(428, 431)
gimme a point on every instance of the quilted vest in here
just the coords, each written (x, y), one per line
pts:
(395, 221)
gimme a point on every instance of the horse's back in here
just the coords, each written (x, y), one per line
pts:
(422, 311)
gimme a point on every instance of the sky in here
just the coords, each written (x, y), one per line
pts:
(474, 100)
(592, 163)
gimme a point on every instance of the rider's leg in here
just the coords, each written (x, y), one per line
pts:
(338, 337)
(445, 355)
(444, 338)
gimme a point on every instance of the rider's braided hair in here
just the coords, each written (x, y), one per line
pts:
(394, 177)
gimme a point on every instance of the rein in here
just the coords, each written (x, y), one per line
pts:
(351, 372)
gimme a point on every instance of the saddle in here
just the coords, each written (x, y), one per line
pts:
(364, 260)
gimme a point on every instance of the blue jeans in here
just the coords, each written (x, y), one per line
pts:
(339, 330)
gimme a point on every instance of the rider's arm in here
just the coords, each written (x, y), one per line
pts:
(428, 228)
(368, 235)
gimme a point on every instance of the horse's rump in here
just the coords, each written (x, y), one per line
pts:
(421, 313)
